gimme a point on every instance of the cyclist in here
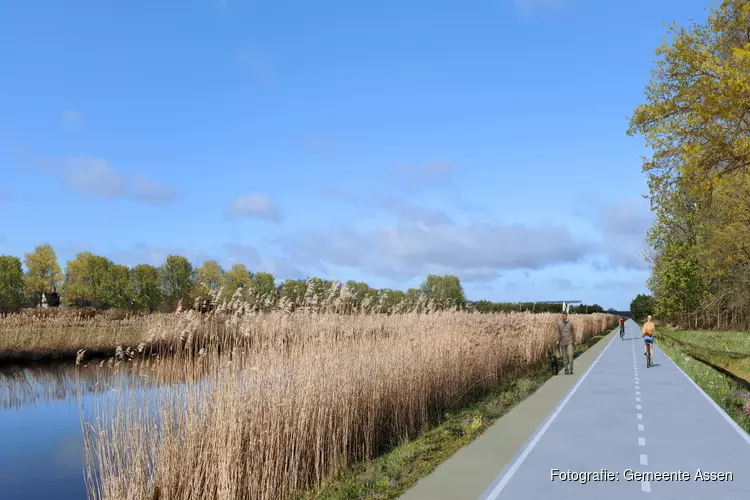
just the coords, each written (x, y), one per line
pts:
(622, 327)
(648, 336)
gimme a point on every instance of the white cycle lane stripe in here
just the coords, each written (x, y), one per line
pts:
(500, 486)
(642, 457)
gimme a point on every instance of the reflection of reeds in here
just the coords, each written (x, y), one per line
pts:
(294, 398)
(26, 385)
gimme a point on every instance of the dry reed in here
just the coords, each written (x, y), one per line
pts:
(292, 399)
(61, 333)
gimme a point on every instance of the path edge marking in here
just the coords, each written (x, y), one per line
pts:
(744, 435)
(502, 479)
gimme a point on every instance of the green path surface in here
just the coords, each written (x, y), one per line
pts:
(615, 414)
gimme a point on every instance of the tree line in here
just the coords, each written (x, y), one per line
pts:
(642, 307)
(95, 281)
(486, 306)
(696, 121)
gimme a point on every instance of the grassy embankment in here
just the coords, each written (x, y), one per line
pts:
(304, 402)
(719, 362)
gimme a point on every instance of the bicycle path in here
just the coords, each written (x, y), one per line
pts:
(618, 420)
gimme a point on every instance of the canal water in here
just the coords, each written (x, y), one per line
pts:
(41, 441)
(42, 453)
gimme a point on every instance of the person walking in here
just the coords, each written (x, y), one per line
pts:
(566, 337)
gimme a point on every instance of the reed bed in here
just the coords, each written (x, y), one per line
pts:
(47, 334)
(293, 399)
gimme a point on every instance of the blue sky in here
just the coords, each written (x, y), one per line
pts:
(374, 140)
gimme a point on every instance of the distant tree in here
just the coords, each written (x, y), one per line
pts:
(293, 292)
(43, 273)
(176, 277)
(237, 277)
(444, 291)
(357, 291)
(315, 293)
(394, 299)
(11, 284)
(208, 279)
(412, 299)
(146, 288)
(642, 306)
(210, 275)
(89, 282)
(264, 290)
(676, 280)
(119, 289)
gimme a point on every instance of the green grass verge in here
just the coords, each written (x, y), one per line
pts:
(391, 474)
(726, 392)
(729, 351)
(736, 342)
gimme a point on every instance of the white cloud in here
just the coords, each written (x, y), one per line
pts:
(428, 173)
(95, 177)
(477, 252)
(71, 117)
(623, 226)
(148, 191)
(341, 194)
(257, 206)
(409, 212)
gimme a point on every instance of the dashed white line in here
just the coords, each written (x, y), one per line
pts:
(643, 458)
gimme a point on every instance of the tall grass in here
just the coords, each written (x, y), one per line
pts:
(45, 334)
(291, 399)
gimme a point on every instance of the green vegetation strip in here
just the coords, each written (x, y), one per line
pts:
(391, 474)
(724, 390)
(728, 351)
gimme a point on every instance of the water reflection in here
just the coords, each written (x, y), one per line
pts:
(28, 385)
(42, 450)
(42, 446)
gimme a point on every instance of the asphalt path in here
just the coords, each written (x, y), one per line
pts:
(622, 431)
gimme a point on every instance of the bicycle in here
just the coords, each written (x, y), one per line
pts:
(622, 332)
(649, 346)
